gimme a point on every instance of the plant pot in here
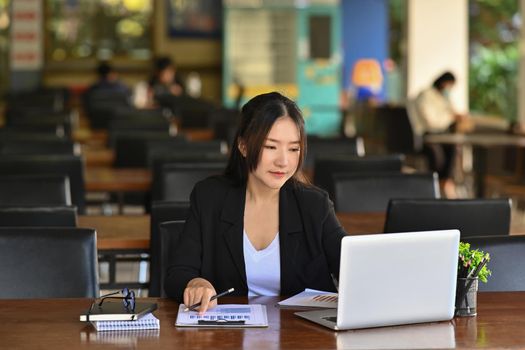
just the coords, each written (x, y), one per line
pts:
(466, 296)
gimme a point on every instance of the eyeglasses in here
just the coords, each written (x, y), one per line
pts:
(128, 299)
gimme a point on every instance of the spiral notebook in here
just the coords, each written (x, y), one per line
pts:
(149, 321)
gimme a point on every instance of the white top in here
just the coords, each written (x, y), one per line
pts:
(434, 110)
(263, 267)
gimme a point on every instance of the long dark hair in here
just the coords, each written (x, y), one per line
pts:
(257, 118)
(442, 79)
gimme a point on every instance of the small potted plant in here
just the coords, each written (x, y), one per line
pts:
(472, 266)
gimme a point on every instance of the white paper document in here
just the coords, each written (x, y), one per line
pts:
(312, 298)
(225, 315)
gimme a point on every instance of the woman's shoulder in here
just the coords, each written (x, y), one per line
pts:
(310, 193)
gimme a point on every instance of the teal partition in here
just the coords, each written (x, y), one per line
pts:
(319, 68)
(290, 47)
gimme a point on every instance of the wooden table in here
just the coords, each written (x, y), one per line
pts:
(481, 143)
(133, 231)
(119, 231)
(108, 179)
(54, 324)
(98, 156)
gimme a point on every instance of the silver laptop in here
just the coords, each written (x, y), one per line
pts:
(394, 279)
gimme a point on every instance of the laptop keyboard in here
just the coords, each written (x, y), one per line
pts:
(331, 319)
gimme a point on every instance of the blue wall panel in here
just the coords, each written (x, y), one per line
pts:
(365, 34)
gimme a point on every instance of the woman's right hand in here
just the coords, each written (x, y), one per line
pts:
(199, 290)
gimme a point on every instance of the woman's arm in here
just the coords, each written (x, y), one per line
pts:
(185, 263)
(332, 235)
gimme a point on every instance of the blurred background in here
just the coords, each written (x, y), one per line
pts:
(308, 49)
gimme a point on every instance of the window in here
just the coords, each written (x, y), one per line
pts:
(4, 44)
(98, 29)
(494, 29)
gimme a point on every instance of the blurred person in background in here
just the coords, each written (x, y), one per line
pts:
(108, 80)
(165, 80)
(435, 114)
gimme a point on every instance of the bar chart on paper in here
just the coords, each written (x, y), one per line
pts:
(311, 298)
(227, 315)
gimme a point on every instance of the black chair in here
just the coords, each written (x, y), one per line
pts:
(321, 146)
(473, 217)
(41, 100)
(370, 192)
(161, 211)
(191, 112)
(28, 190)
(170, 233)
(14, 134)
(175, 181)
(325, 166)
(35, 147)
(100, 105)
(400, 135)
(225, 122)
(131, 147)
(37, 119)
(51, 262)
(63, 216)
(507, 262)
(64, 165)
(175, 150)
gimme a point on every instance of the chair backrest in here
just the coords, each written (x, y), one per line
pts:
(173, 151)
(39, 216)
(507, 261)
(27, 190)
(175, 181)
(159, 124)
(170, 233)
(51, 262)
(370, 192)
(325, 166)
(161, 211)
(18, 135)
(101, 104)
(472, 217)
(191, 112)
(131, 146)
(318, 146)
(30, 147)
(64, 165)
(42, 120)
(400, 135)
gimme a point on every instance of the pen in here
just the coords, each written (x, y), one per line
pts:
(192, 307)
(474, 273)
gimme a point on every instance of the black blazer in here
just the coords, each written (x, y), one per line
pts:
(211, 245)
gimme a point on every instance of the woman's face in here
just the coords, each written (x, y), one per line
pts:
(167, 75)
(279, 157)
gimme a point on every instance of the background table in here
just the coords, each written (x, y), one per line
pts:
(481, 144)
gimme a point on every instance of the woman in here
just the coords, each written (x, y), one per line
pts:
(258, 228)
(165, 81)
(436, 115)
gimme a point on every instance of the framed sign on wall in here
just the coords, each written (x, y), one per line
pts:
(195, 18)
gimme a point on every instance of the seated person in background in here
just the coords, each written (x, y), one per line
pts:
(108, 80)
(435, 114)
(259, 228)
(165, 80)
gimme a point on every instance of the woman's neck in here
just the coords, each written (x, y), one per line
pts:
(256, 193)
